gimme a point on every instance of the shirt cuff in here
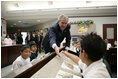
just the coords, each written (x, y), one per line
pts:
(67, 48)
(76, 68)
(53, 46)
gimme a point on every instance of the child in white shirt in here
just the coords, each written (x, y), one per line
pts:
(90, 60)
(23, 59)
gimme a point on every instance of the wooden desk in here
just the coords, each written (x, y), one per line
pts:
(51, 69)
(9, 54)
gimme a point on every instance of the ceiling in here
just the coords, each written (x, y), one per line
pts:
(30, 13)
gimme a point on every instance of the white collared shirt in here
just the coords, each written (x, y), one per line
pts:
(108, 46)
(8, 41)
(95, 70)
(20, 62)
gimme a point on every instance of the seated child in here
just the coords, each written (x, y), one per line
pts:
(33, 48)
(23, 59)
(90, 60)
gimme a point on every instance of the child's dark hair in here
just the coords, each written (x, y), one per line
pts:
(94, 46)
(7, 35)
(32, 43)
(24, 47)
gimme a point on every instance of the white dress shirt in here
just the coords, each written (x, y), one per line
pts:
(7, 41)
(20, 62)
(108, 46)
(95, 70)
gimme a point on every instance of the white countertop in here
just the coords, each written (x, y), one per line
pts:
(51, 69)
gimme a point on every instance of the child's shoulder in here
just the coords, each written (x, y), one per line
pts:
(19, 58)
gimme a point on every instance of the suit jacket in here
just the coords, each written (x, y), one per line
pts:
(41, 38)
(55, 35)
(33, 56)
(26, 39)
(19, 40)
(34, 39)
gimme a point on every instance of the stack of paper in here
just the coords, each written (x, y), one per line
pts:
(63, 74)
(70, 68)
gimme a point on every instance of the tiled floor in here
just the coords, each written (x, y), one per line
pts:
(7, 69)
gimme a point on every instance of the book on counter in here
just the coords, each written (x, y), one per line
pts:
(74, 69)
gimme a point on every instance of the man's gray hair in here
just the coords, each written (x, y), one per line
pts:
(62, 16)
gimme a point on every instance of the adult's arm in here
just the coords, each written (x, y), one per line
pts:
(52, 40)
(52, 36)
(68, 37)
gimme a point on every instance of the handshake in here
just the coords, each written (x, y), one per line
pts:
(58, 50)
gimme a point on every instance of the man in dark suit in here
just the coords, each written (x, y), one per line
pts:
(56, 34)
(27, 39)
(39, 40)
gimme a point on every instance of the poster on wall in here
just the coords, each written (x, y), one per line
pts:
(110, 33)
(78, 30)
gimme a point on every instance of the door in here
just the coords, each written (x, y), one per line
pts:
(110, 32)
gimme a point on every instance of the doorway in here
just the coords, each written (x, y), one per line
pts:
(24, 35)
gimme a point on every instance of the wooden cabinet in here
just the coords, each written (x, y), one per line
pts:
(9, 54)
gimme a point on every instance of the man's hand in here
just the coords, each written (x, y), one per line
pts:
(57, 50)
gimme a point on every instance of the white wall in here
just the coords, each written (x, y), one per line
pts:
(48, 24)
(98, 21)
(4, 27)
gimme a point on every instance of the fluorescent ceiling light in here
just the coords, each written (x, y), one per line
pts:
(19, 21)
(33, 5)
(14, 24)
(38, 20)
